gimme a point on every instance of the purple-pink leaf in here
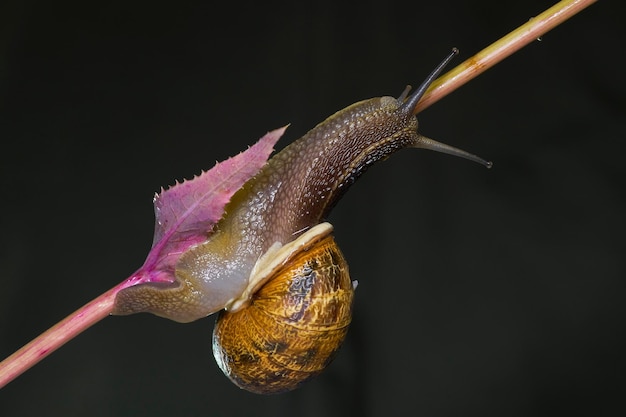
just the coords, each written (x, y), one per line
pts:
(186, 212)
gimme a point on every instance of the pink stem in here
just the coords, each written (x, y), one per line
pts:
(502, 48)
(59, 334)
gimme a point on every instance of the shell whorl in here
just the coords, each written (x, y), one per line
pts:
(292, 327)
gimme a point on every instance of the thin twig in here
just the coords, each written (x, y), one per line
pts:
(59, 334)
(502, 48)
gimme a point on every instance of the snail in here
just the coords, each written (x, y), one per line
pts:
(271, 267)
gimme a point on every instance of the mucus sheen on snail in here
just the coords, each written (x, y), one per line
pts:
(271, 266)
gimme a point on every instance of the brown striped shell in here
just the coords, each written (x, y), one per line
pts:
(293, 325)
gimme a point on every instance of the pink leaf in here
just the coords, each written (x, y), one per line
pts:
(186, 212)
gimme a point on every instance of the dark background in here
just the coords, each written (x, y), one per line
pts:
(482, 292)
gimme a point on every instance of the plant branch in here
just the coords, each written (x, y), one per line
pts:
(101, 307)
(502, 48)
(58, 335)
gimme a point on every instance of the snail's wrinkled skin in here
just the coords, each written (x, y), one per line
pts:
(294, 191)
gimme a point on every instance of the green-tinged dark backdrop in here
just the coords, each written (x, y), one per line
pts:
(481, 292)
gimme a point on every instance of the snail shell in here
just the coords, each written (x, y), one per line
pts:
(292, 326)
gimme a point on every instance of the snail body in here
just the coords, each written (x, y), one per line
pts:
(272, 235)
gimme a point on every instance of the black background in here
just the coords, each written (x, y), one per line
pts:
(482, 292)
